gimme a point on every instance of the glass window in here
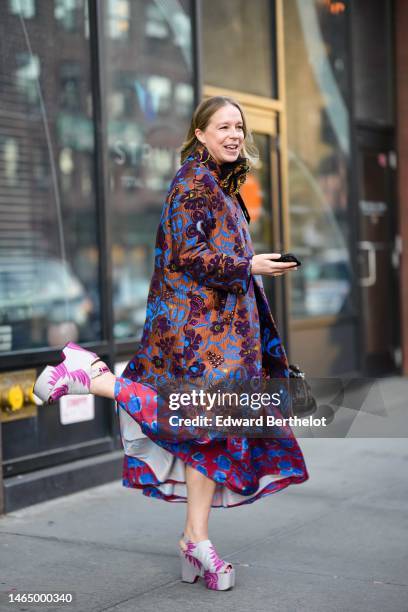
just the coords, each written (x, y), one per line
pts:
(260, 202)
(319, 149)
(183, 99)
(70, 74)
(372, 60)
(23, 8)
(156, 24)
(26, 75)
(118, 19)
(256, 193)
(238, 47)
(150, 102)
(49, 291)
(69, 14)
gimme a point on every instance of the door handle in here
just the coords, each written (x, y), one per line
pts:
(371, 278)
(397, 251)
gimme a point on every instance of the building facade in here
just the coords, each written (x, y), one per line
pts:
(96, 98)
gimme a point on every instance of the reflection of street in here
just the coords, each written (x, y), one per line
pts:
(319, 150)
(131, 281)
(130, 295)
(49, 207)
(51, 306)
(150, 96)
(323, 284)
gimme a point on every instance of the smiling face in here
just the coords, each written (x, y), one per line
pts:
(224, 134)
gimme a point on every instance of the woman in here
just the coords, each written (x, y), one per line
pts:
(208, 324)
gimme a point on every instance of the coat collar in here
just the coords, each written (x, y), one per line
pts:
(230, 175)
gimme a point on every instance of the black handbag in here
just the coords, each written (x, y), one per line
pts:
(301, 393)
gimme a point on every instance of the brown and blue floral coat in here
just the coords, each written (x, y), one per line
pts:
(207, 316)
(208, 324)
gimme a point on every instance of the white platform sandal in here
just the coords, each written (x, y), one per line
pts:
(200, 559)
(71, 376)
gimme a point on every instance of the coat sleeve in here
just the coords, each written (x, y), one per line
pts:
(193, 250)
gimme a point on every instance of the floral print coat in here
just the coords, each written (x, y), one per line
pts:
(208, 318)
(208, 324)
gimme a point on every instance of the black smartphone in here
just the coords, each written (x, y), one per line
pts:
(288, 258)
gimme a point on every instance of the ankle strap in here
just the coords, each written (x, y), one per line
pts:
(207, 554)
(97, 370)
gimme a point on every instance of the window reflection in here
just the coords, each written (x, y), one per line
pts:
(256, 192)
(48, 251)
(373, 50)
(118, 21)
(149, 102)
(10, 161)
(238, 48)
(156, 24)
(318, 124)
(69, 14)
(23, 8)
(183, 100)
(70, 86)
(26, 76)
(258, 198)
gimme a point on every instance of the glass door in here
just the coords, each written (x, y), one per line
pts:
(261, 196)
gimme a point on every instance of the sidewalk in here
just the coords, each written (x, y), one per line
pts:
(337, 543)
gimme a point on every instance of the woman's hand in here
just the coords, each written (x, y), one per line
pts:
(265, 264)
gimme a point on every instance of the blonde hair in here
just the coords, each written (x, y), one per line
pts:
(201, 118)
